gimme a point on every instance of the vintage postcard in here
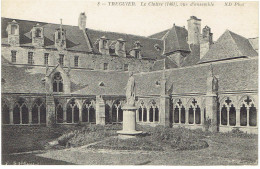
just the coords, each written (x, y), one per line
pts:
(112, 82)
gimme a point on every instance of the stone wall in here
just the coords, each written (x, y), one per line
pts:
(88, 61)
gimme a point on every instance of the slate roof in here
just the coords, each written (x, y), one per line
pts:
(165, 63)
(159, 35)
(147, 50)
(176, 40)
(75, 39)
(229, 46)
(83, 82)
(233, 75)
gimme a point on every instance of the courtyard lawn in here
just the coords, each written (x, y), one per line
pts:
(160, 146)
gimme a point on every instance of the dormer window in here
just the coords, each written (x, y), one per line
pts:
(103, 45)
(60, 38)
(13, 33)
(120, 47)
(37, 35)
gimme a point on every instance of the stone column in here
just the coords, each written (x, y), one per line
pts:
(211, 112)
(50, 111)
(211, 102)
(11, 116)
(100, 111)
(164, 111)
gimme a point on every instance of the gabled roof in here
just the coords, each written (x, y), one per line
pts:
(75, 39)
(148, 49)
(229, 46)
(176, 40)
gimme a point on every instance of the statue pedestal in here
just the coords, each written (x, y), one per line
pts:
(129, 122)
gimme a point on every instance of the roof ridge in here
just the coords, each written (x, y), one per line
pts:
(127, 34)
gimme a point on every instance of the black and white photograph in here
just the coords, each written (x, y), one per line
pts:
(158, 83)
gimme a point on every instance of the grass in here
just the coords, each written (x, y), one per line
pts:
(87, 135)
(158, 139)
(165, 146)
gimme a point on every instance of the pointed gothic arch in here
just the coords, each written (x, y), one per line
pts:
(57, 82)
(5, 112)
(88, 112)
(20, 112)
(39, 111)
(72, 111)
(117, 112)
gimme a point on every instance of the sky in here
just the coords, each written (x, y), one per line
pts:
(138, 20)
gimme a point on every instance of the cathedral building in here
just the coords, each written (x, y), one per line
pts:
(55, 74)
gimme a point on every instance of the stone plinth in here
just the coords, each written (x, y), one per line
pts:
(129, 121)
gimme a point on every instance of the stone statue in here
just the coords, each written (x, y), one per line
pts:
(130, 90)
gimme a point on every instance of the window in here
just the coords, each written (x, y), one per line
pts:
(57, 83)
(104, 43)
(13, 55)
(38, 33)
(105, 66)
(46, 58)
(125, 67)
(76, 61)
(61, 59)
(136, 54)
(30, 58)
(13, 29)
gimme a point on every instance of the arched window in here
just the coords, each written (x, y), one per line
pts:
(117, 112)
(252, 116)
(142, 112)
(156, 118)
(88, 112)
(107, 113)
(224, 115)
(194, 112)
(176, 114)
(38, 33)
(243, 115)
(151, 112)
(5, 113)
(197, 115)
(182, 115)
(59, 111)
(20, 112)
(57, 82)
(248, 113)
(72, 112)
(38, 112)
(191, 115)
(232, 115)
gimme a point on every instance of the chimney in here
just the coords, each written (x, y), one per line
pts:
(194, 27)
(206, 40)
(82, 21)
